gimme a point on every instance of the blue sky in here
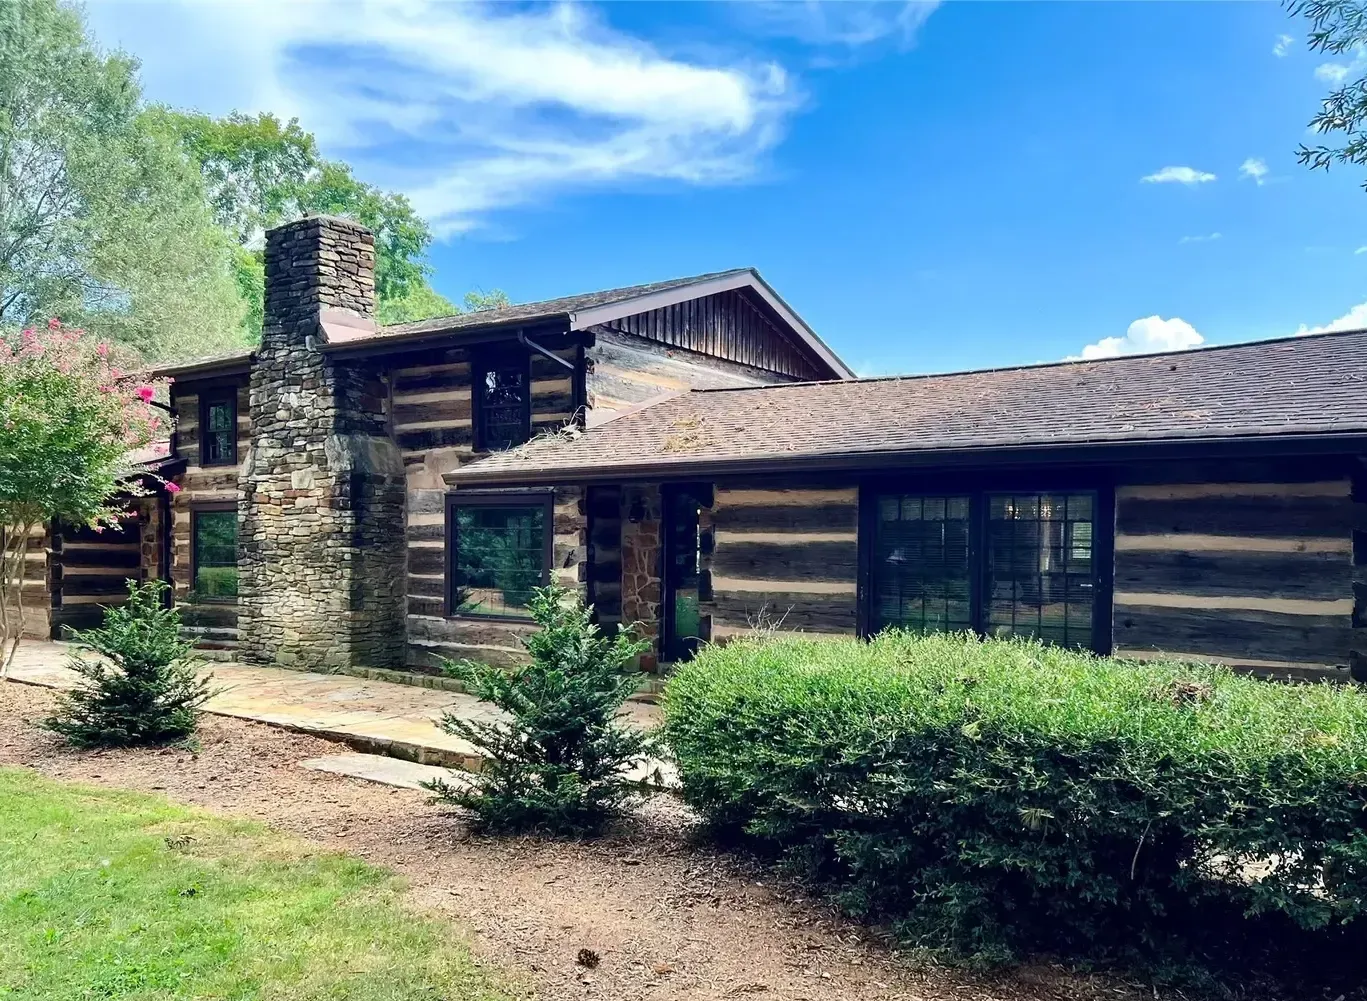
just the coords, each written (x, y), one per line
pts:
(932, 188)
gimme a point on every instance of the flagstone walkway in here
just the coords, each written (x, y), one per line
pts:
(377, 717)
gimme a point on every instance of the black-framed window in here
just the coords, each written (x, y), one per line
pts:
(498, 548)
(218, 429)
(502, 400)
(998, 563)
(213, 552)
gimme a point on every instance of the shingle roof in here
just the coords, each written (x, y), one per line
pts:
(548, 308)
(1300, 385)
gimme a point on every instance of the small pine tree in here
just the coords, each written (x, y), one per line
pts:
(557, 759)
(142, 687)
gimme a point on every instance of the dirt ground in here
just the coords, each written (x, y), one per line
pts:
(667, 917)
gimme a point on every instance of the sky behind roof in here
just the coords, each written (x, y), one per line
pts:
(932, 188)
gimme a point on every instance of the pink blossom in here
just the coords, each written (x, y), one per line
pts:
(145, 393)
(172, 488)
(102, 349)
(54, 324)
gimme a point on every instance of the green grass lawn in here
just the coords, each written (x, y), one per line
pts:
(107, 894)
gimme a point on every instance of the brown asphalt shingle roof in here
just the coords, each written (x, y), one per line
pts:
(1300, 385)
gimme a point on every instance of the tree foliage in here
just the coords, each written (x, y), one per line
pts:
(1337, 27)
(557, 759)
(70, 415)
(142, 685)
(102, 222)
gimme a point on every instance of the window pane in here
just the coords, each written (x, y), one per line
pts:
(1039, 576)
(499, 556)
(215, 555)
(503, 406)
(920, 564)
(219, 433)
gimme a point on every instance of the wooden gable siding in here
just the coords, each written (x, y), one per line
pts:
(726, 325)
(1252, 574)
(211, 623)
(785, 558)
(623, 371)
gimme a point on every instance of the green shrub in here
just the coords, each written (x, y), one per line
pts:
(998, 798)
(556, 759)
(142, 687)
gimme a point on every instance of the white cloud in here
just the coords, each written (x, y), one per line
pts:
(1361, 250)
(1332, 73)
(1146, 336)
(1354, 319)
(1254, 168)
(849, 24)
(1178, 175)
(1283, 45)
(1200, 239)
(465, 107)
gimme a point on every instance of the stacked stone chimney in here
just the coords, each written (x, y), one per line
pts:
(322, 561)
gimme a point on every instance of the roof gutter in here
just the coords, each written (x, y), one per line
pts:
(1270, 445)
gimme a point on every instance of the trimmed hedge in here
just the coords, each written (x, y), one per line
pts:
(995, 798)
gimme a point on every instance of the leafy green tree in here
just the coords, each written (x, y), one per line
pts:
(557, 759)
(143, 686)
(1337, 27)
(101, 220)
(70, 413)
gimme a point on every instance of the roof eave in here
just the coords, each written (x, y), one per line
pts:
(479, 334)
(235, 365)
(1278, 443)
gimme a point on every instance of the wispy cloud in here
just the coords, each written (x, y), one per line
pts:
(1178, 175)
(1361, 250)
(848, 24)
(1255, 169)
(1147, 335)
(1332, 73)
(1200, 239)
(467, 108)
(1283, 46)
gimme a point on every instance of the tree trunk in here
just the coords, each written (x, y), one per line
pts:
(14, 566)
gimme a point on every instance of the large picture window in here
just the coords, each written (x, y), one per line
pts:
(502, 401)
(498, 550)
(218, 430)
(1000, 564)
(213, 545)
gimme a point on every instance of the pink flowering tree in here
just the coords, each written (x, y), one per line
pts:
(71, 415)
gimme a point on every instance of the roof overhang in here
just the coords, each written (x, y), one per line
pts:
(1288, 444)
(239, 364)
(383, 344)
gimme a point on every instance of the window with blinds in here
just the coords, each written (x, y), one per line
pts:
(921, 569)
(1001, 564)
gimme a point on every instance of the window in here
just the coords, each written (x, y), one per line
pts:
(498, 549)
(213, 544)
(218, 430)
(503, 401)
(682, 582)
(921, 575)
(1001, 564)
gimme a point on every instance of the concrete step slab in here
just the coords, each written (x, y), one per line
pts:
(382, 769)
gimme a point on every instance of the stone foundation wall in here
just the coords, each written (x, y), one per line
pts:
(321, 551)
(641, 523)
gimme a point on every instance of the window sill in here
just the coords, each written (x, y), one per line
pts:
(478, 617)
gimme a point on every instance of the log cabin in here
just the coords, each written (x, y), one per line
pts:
(699, 464)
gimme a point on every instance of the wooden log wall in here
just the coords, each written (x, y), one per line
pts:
(604, 564)
(783, 558)
(432, 397)
(728, 325)
(212, 624)
(34, 584)
(624, 370)
(90, 571)
(1257, 575)
(1357, 647)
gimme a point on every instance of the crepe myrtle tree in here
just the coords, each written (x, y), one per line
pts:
(71, 416)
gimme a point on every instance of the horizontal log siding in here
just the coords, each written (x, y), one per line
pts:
(33, 584)
(1251, 574)
(90, 570)
(214, 623)
(784, 558)
(433, 425)
(1357, 647)
(624, 371)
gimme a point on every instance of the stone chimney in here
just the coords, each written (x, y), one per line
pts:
(322, 562)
